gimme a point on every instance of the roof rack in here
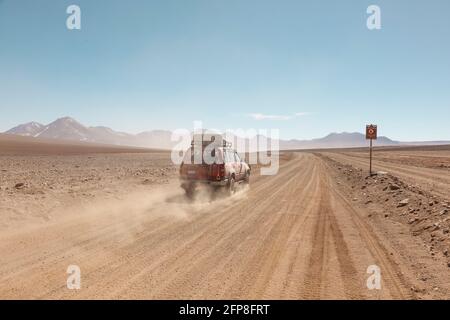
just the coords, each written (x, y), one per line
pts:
(205, 142)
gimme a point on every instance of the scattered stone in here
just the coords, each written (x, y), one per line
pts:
(394, 187)
(403, 203)
(436, 226)
(19, 185)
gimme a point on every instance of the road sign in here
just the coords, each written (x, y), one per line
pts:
(371, 132)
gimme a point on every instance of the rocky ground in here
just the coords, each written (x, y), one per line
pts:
(387, 197)
(38, 188)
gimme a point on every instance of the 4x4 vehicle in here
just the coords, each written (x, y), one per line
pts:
(222, 170)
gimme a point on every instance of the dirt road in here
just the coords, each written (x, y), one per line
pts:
(294, 235)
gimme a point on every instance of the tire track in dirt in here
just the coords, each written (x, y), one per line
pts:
(204, 255)
(328, 245)
(392, 275)
(291, 236)
(150, 255)
(270, 247)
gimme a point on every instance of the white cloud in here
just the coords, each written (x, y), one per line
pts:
(301, 114)
(261, 116)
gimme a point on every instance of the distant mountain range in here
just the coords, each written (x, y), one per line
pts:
(69, 129)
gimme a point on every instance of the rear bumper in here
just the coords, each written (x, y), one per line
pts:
(189, 183)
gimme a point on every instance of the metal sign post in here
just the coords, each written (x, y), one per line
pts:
(370, 166)
(371, 134)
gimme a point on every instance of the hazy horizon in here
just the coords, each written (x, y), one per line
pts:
(231, 129)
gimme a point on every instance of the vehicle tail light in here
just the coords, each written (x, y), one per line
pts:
(218, 171)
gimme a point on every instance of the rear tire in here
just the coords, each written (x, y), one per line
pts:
(231, 186)
(189, 191)
(247, 177)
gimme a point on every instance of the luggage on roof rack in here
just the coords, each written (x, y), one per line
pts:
(207, 139)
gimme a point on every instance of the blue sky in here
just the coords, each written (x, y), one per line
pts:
(141, 65)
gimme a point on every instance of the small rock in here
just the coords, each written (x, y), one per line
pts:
(394, 187)
(403, 203)
(19, 185)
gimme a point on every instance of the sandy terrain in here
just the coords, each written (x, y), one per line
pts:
(309, 232)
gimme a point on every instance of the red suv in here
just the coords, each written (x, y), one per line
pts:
(223, 169)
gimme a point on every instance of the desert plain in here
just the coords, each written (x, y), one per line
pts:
(309, 232)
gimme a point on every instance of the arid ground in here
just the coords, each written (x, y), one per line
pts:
(309, 232)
